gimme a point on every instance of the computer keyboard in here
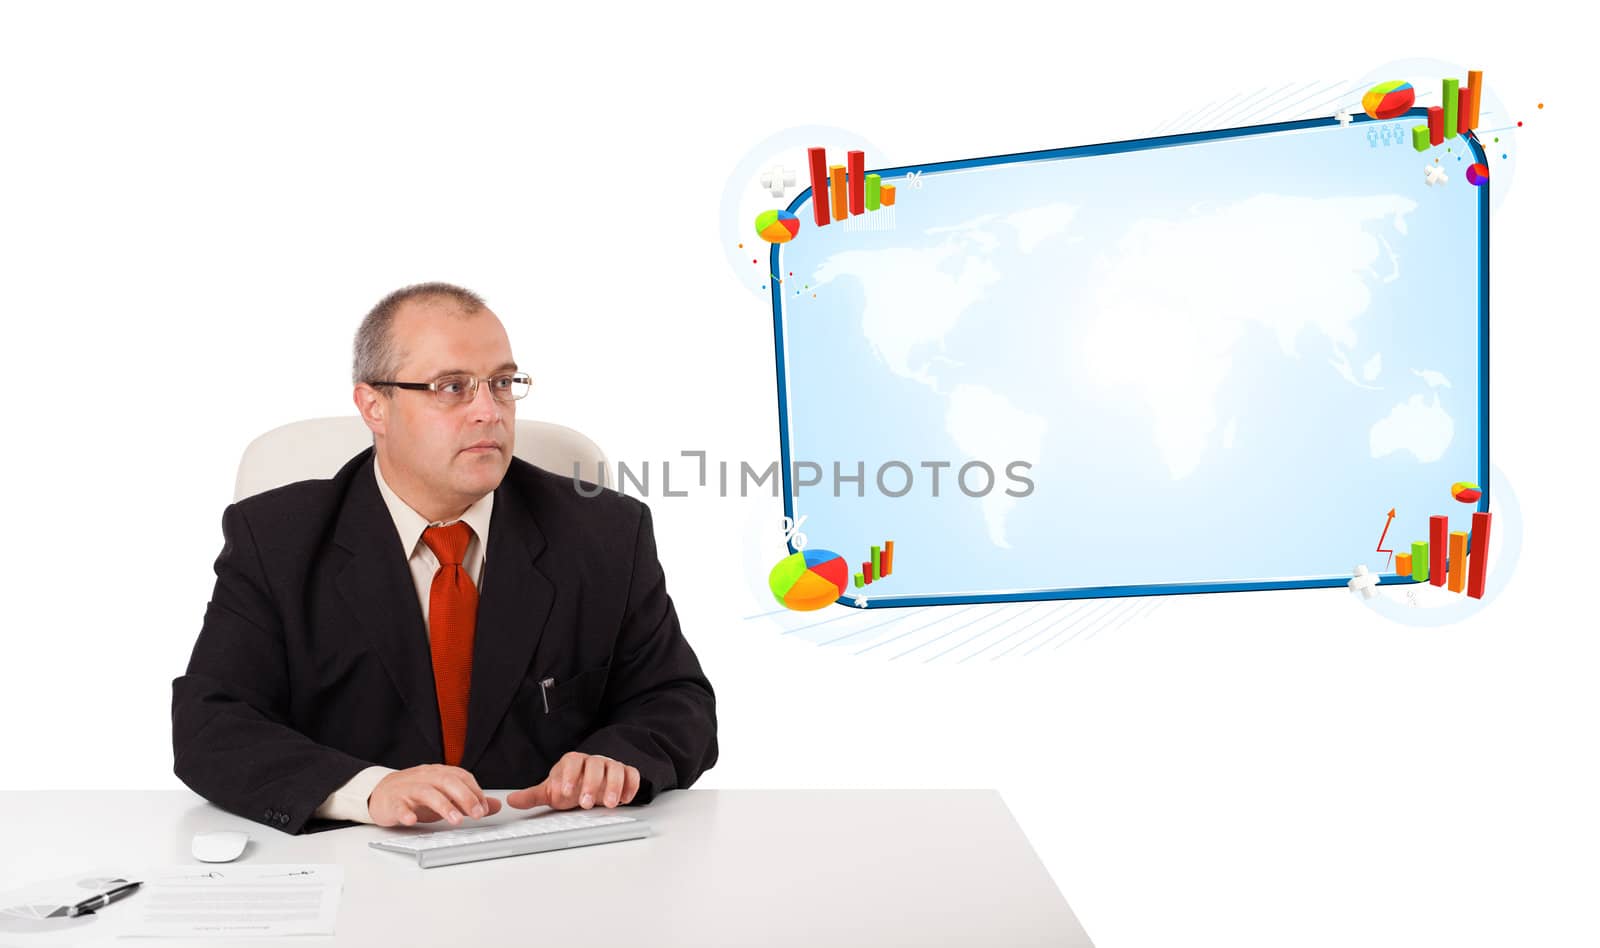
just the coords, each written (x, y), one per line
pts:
(536, 834)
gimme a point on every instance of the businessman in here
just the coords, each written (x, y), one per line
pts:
(438, 617)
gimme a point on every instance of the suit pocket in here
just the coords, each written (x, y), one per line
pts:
(582, 692)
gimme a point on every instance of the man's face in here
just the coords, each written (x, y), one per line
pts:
(432, 453)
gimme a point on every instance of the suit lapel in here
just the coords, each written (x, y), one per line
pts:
(512, 612)
(376, 585)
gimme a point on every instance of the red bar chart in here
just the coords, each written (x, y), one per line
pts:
(1437, 528)
(879, 566)
(1447, 559)
(1456, 115)
(856, 163)
(818, 159)
(1478, 555)
(839, 192)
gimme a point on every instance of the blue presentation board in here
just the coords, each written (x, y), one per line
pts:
(1195, 363)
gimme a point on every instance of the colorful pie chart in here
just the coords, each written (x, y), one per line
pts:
(1386, 100)
(777, 227)
(1478, 174)
(1465, 492)
(809, 579)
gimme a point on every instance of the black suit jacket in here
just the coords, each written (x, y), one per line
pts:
(313, 660)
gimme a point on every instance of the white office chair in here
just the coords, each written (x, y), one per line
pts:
(318, 447)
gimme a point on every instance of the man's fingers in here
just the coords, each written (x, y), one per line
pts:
(573, 777)
(594, 779)
(392, 814)
(567, 779)
(428, 793)
(394, 811)
(466, 777)
(462, 796)
(616, 773)
(579, 780)
(537, 795)
(435, 798)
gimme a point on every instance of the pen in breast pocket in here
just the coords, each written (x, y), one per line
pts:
(544, 693)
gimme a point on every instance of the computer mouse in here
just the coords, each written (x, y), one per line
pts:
(220, 846)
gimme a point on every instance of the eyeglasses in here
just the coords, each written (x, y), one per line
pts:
(451, 390)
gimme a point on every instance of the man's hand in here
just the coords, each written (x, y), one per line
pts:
(427, 794)
(581, 780)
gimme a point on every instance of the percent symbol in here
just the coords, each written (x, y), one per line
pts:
(792, 534)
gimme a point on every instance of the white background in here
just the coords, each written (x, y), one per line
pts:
(198, 203)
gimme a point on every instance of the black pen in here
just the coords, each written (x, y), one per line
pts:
(97, 902)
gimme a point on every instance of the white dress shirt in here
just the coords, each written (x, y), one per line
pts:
(349, 802)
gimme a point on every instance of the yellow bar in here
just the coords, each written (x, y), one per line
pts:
(1458, 561)
(1475, 81)
(886, 195)
(1402, 564)
(836, 190)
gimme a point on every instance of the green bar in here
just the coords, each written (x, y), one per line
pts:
(1419, 560)
(1420, 140)
(859, 583)
(1452, 98)
(873, 183)
(877, 571)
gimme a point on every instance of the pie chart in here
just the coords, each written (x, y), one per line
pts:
(1386, 100)
(34, 919)
(809, 579)
(777, 227)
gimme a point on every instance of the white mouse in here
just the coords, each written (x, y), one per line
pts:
(221, 846)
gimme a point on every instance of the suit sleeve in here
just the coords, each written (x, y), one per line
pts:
(660, 710)
(231, 738)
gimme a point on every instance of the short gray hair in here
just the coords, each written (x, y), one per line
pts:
(376, 358)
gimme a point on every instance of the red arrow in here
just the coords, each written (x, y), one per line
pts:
(1386, 533)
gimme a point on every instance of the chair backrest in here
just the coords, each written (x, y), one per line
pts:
(318, 447)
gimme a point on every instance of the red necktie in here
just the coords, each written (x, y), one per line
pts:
(452, 616)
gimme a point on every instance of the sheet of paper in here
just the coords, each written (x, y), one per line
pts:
(236, 901)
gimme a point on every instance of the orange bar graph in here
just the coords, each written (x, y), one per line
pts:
(1475, 82)
(841, 197)
(1458, 561)
(1402, 564)
(888, 557)
(886, 195)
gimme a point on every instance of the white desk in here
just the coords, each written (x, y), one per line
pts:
(724, 867)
